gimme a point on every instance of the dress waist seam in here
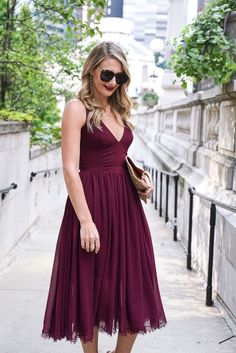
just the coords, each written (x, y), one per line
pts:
(102, 169)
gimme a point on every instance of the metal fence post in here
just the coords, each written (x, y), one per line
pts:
(176, 179)
(156, 185)
(167, 198)
(152, 174)
(160, 206)
(190, 224)
(209, 301)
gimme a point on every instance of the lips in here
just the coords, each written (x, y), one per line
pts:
(109, 88)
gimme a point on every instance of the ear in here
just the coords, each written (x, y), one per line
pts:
(93, 71)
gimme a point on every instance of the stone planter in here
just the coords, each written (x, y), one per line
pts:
(204, 85)
(231, 26)
(231, 29)
(230, 32)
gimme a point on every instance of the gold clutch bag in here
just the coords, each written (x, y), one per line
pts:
(141, 178)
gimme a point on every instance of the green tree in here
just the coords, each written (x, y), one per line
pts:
(33, 56)
(41, 54)
(28, 85)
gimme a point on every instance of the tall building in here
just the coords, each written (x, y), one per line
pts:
(114, 8)
(149, 18)
(161, 19)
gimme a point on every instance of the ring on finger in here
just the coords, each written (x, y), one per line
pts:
(92, 247)
(87, 247)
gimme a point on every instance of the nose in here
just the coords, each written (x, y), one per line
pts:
(113, 80)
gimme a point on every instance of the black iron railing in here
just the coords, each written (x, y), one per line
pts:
(6, 190)
(214, 203)
(159, 205)
(45, 172)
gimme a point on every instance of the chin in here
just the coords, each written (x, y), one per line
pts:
(107, 93)
(102, 91)
(110, 94)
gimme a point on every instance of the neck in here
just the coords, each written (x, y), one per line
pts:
(103, 101)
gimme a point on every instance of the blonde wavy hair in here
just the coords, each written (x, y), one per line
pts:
(119, 101)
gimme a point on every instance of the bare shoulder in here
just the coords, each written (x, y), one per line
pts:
(74, 112)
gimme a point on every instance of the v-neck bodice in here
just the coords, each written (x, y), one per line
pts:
(113, 133)
(101, 149)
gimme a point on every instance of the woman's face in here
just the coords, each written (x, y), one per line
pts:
(106, 89)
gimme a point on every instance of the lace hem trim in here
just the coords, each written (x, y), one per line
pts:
(102, 328)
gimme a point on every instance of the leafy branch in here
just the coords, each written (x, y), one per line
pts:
(202, 50)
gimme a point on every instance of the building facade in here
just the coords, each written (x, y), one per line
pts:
(149, 17)
(201, 5)
(114, 8)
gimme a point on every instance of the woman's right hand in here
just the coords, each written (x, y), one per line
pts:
(89, 237)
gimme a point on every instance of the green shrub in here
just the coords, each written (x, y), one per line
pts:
(6, 114)
(202, 50)
(43, 131)
(149, 98)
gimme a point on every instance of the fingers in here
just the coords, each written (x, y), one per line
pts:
(89, 241)
(94, 245)
(82, 244)
(87, 246)
(148, 181)
(146, 194)
(97, 245)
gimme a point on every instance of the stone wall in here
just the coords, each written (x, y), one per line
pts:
(22, 206)
(197, 138)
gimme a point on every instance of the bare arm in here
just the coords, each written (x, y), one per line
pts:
(74, 117)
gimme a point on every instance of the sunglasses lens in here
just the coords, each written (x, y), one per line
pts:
(121, 78)
(106, 75)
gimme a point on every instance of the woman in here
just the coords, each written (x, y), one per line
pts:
(104, 275)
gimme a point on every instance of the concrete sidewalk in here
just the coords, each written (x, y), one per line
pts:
(192, 327)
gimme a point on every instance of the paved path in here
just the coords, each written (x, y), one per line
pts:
(192, 327)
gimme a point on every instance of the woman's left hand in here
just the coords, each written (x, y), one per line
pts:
(147, 194)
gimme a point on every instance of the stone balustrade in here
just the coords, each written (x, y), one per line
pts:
(21, 207)
(196, 137)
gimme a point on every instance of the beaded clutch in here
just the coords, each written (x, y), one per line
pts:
(141, 178)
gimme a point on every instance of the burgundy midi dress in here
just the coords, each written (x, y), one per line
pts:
(116, 289)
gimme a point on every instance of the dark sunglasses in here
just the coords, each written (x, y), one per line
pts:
(107, 75)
